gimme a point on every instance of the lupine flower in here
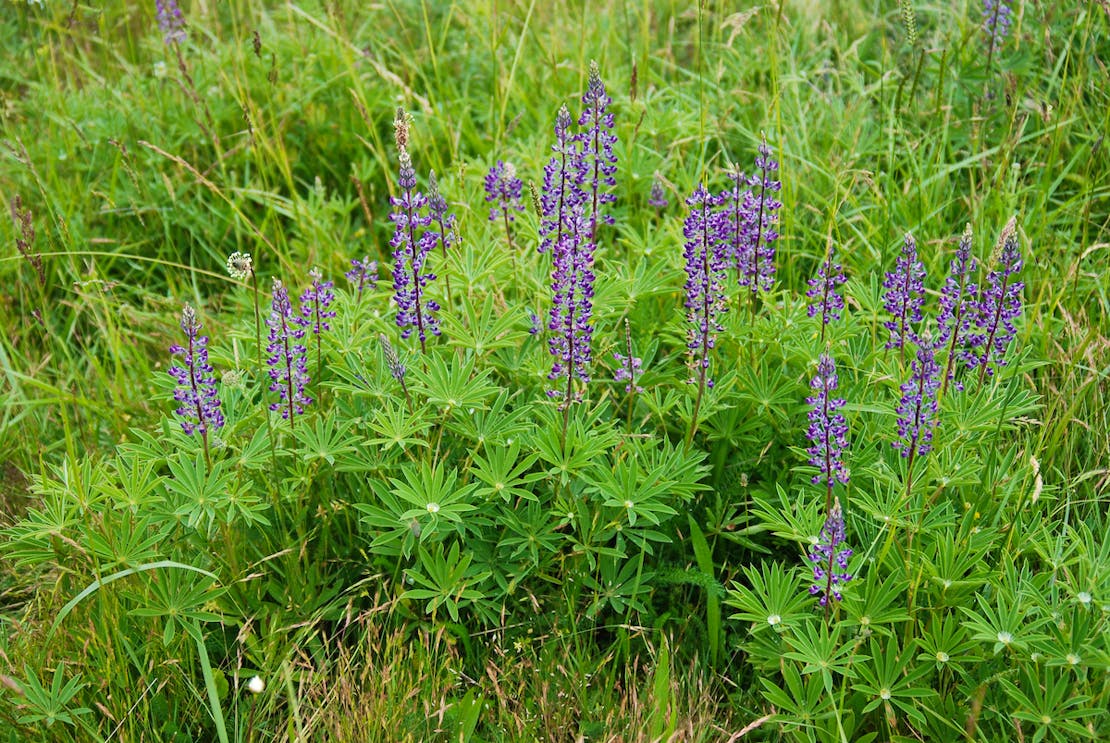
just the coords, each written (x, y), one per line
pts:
(997, 17)
(240, 266)
(826, 558)
(315, 301)
(170, 21)
(998, 305)
(598, 162)
(957, 306)
(827, 302)
(629, 366)
(756, 270)
(412, 241)
(393, 363)
(904, 296)
(505, 191)
(196, 382)
(827, 428)
(658, 197)
(562, 200)
(705, 277)
(288, 366)
(536, 323)
(443, 219)
(572, 288)
(363, 275)
(917, 412)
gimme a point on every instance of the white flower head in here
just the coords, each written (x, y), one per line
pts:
(256, 685)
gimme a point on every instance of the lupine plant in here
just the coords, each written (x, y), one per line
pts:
(504, 191)
(545, 497)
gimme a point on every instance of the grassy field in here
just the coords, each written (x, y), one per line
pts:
(488, 532)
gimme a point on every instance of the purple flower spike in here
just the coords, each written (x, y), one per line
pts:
(755, 261)
(412, 241)
(315, 302)
(630, 366)
(170, 21)
(562, 200)
(904, 297)
(997, 17)
(957, 307)
(598, 163)
(505, 191)
(196, 383)
(827, 428)
(363, 275)
(826, 558)
(572, 288)
(998, 305)
(827, 302)
(917, 413)
(658, 197)
(705, 278)
(287, 362)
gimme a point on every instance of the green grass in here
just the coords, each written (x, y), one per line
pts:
(145, 165)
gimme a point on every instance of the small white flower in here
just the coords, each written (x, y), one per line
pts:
(159, 69)
(256, 685)
(1005, 638)
(774, 619)
(433, 507)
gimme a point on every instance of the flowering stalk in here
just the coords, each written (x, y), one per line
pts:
(957, 305)
(240, 267)
(363, 275)
(904, 297)
(827, 430)
(196, 392)
(445, 221)
(572, 288)
(412, 241)
(705, 297)
(826, 558)
(917, 413)
(657, 197)
(999, 304)
(287, 357)
(561, 198)
(598, 163)
(629, 367)
(504, 190)
(315, 313)
(170, 21)
(761, 214)
(829, 304)
(396, 368)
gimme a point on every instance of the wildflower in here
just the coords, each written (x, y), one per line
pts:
(630, 365)
(412, 241)
(598, 162)
(572, 289)
(957, 306)
(658, 197)
(287, 360)
(827, 428)
(997, 17)
(826, 558)
(240, 266)
(170, 21)
(904, 297)
(315, 301)
(752, 229)
(917, 412)
(196, 391)
(363, 275)
(829, 304)
(256, 685)
(998, 305)
(396, 368)
(562, 199)
(505, 191)
(705, 273)
(535, 323)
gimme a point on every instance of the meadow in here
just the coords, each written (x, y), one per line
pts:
(563, 371)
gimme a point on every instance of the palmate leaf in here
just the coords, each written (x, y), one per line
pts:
(483, 329)
(505, 473)
(892, 680)
(498, 425)
(196, 493)
(436, 501)
(451, 384)
(445, 580)
(774, 599)
(326, 440)
(819, 649)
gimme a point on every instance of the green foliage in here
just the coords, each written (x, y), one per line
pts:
(498, 556)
